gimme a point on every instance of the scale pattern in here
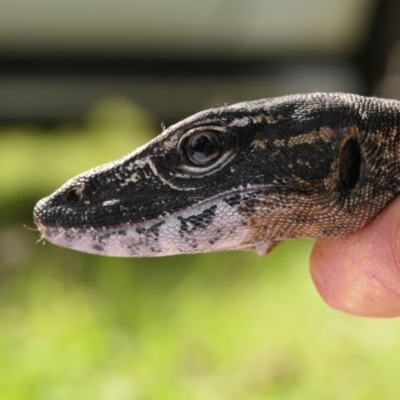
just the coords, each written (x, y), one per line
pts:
(315, 165)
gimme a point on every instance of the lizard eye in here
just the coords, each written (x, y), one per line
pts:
(205, 150)
(202, 148)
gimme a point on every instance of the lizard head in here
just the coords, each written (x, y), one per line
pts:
(237, 177)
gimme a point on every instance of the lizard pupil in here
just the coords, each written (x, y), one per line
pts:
(203, 148)
(349, 165)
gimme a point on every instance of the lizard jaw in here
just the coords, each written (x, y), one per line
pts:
(208, 227)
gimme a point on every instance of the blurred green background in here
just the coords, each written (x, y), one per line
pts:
(216, 326)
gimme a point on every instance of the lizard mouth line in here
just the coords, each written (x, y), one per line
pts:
(57, 230)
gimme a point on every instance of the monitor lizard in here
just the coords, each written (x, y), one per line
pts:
(244, 176)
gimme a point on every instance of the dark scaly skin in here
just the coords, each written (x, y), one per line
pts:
(316, 165)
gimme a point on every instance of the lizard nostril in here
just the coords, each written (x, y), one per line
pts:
(74, 195)
(349, 165)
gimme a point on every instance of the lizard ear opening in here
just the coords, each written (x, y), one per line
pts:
(349, 165)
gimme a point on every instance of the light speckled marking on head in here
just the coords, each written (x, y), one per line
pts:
(324, 134)
(280, 142)
(259, 144)
(271, 119)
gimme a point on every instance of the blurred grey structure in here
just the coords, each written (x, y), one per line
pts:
(176, 57)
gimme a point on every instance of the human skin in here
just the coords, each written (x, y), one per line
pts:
(360, 274)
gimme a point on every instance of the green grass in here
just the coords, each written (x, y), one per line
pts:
(216, 327)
